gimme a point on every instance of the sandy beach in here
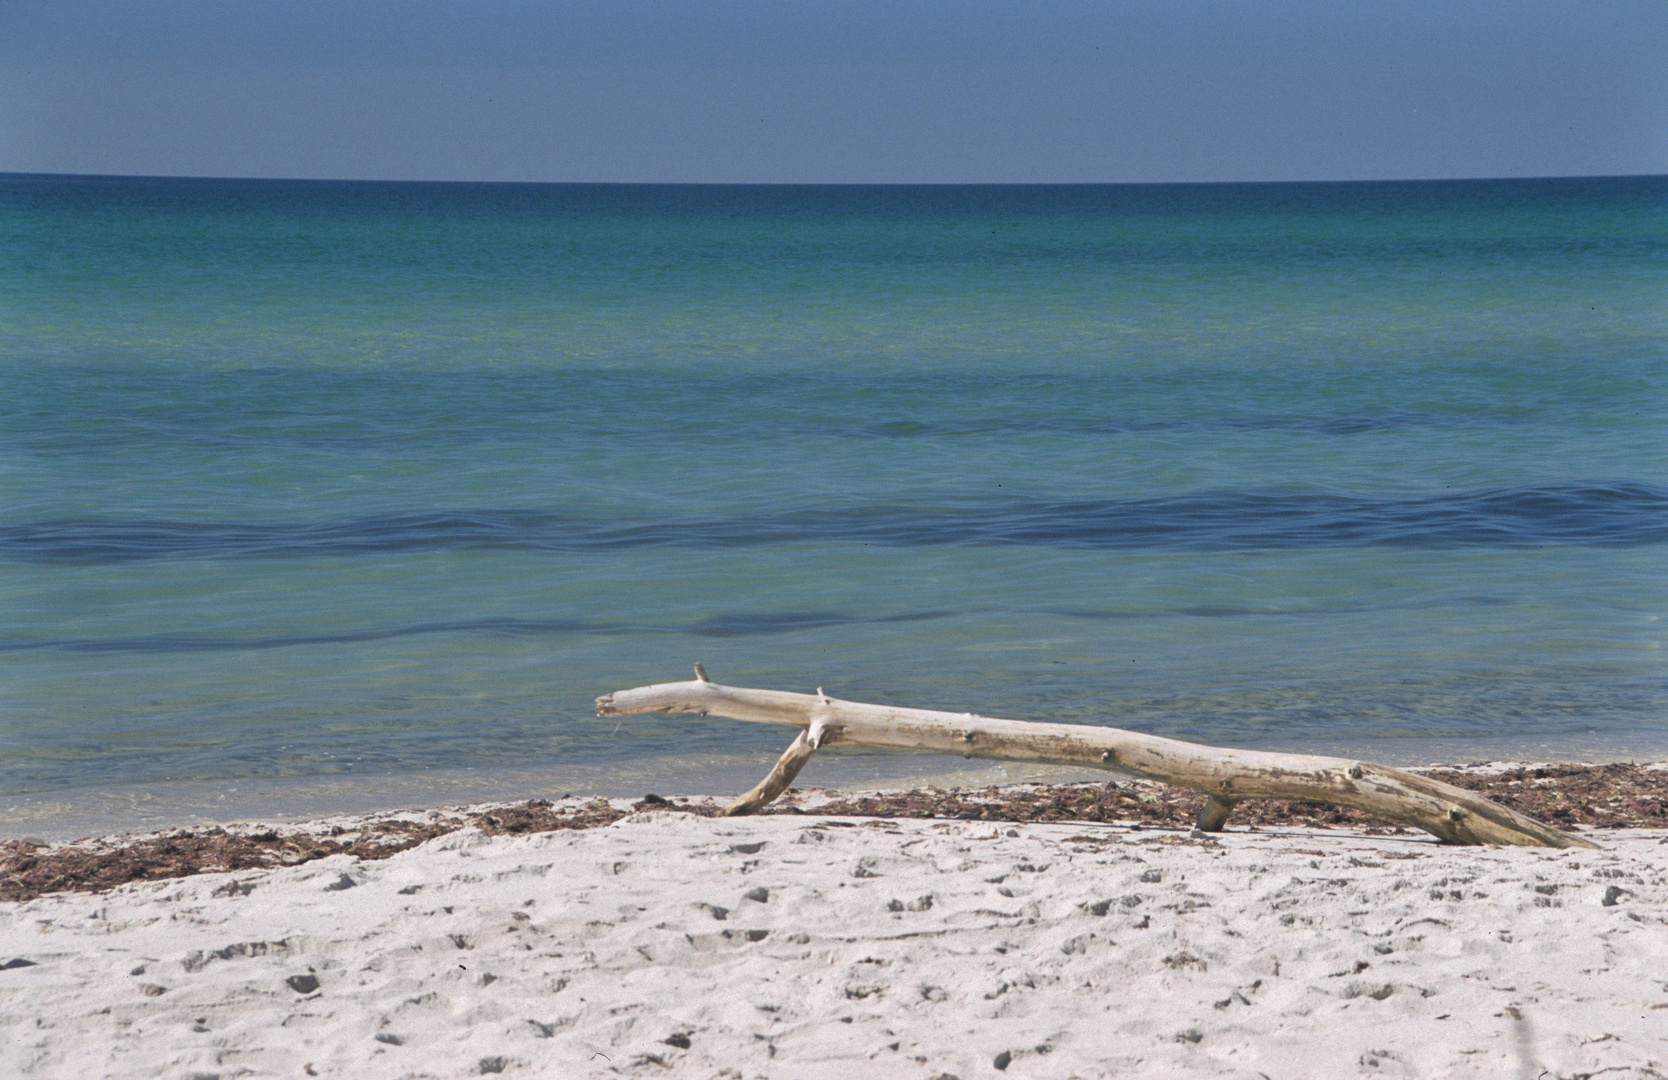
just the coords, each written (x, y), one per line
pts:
(804, 945)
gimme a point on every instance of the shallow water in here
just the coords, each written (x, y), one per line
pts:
(336, 489)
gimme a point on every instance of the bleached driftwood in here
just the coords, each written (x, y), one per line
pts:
(1228, 776)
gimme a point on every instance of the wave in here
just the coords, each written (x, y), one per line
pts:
(727, 625)
(739, 624)
(1606, 515)
(1329, 424)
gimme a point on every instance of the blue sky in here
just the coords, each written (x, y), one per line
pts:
(855, 92)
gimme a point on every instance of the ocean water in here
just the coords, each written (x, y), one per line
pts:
(320, 496)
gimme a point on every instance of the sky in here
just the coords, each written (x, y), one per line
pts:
(835, 91)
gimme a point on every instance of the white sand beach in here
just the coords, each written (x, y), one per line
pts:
(805, 946)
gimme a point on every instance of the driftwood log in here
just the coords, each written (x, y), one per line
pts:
(1227, 776)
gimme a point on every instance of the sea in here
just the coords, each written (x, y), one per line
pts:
(322, 497)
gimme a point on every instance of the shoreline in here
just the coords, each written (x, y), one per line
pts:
(72, 813)
(1574, 796)
(810, 943)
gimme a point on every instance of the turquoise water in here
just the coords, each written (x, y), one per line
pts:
(359, 491)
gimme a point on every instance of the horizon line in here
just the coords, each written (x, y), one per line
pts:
(9, 175)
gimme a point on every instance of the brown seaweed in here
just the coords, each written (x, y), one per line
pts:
(1572, 796)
